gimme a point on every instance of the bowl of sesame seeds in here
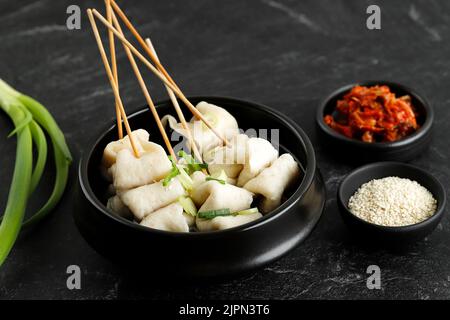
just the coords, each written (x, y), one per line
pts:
(391, 202)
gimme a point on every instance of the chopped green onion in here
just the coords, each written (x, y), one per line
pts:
(192, 167)
(188, 205)
(185, 179)
(247, 211)
(208, 215)
(191, 164)
(185, 156)
(215, 179)
(172, 174)
(221, 177)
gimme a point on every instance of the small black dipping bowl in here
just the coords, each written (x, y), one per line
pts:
(202, 254)
(358, 151)
(395, 236)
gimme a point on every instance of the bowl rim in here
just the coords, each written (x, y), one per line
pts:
(407, 228)
(307, 179)
(423, 130)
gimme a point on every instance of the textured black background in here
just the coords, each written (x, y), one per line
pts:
(285, 54)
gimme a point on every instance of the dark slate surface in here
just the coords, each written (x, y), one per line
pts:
(286, 54)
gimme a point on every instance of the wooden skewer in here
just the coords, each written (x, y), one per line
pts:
(111, 80)
(112, 49)
(141, 41)
(180, 114)
(145, 91)
(183, 98)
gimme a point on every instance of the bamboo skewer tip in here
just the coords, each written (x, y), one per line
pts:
(161, 68)
(176, 105)
(145, 91)
(160, 72)
(111, 79)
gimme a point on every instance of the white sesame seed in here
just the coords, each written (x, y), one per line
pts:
(392, 201)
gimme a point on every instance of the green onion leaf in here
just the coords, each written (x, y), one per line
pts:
(185, 179)
(41, 147)
(20, 185)
(221, 177)
(215, 179)
(185, 156)
(188, 205)
(12, 99)
(39, 112)
(247, 211)
(28, 115)
(46, 120)
(23, 123)
(62, 173)
(172, 174)
(191, 164)
(208, 215)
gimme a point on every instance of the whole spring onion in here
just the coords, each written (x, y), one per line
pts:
(20, 185)
(29, 117)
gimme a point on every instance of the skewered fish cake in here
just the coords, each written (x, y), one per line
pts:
(273, 181)
(260, 154)
(146, 199)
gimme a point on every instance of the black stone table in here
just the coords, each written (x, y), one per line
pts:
(286, 54)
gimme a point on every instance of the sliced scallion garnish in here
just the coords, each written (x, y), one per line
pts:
(188, 205)
(215, 179)
(247, 211)
(185, 180)
(208, 215)
(191, 164)
(211, 214)
(172, 174)
(221, 177)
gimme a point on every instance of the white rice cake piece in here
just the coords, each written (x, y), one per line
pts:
(260, 155)
(221, 120)
(221, 223)
(273, 181)
(169, 218)
(131, 172)
(113, 148)
(146, 199)
(190, 219)
(198, 177)
(213, 195)
(118, 207)
(230, 159)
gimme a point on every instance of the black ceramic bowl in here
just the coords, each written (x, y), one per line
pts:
(359, 151)
(383, 234)
(216, 253)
